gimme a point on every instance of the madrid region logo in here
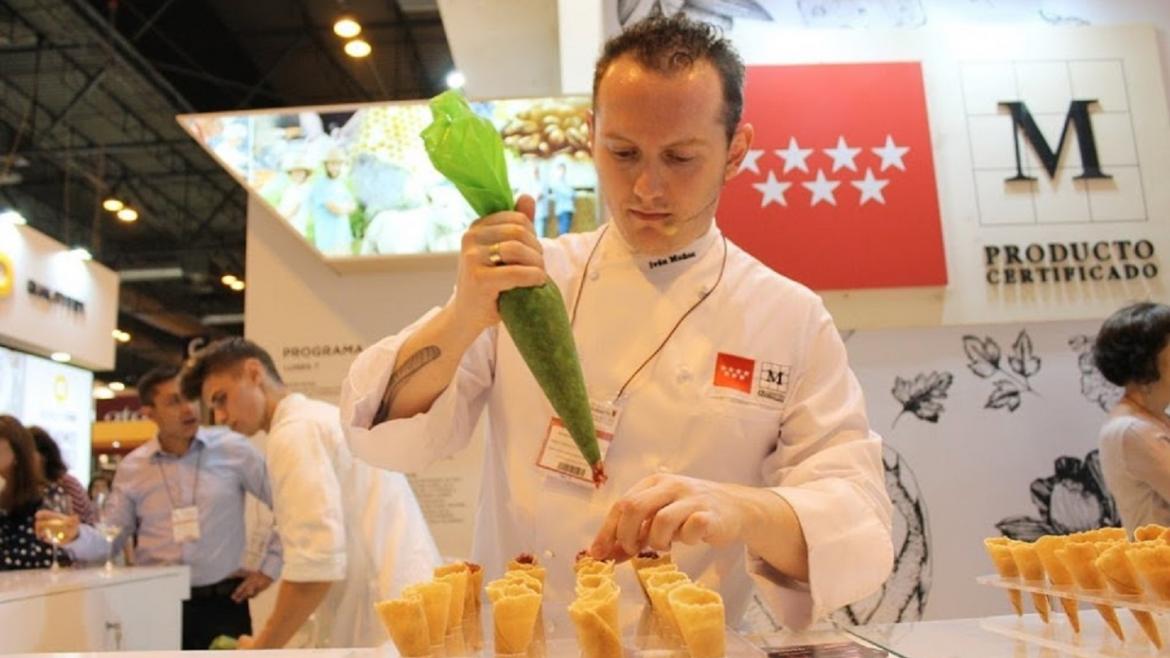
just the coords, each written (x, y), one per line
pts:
(838, 188)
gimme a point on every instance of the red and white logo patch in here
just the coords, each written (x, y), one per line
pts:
(734, 372)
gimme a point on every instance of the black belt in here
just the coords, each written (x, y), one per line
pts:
(220, 590)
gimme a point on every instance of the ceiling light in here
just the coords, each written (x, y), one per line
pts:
(228, 279)
(237, 286)
(357, 48)
(121, 336)
(128, 215)
(103, 393)
(61, 357)
(12, 217)
(117, 387)
(113, 205)
(455, 80)
(347, 27)
(81, 253)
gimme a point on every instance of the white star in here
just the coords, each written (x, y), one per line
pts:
(749, 161)
(794, 156)
(891, 154)
(773, 191)
(822, 189)
(842, 155)
(871, 188)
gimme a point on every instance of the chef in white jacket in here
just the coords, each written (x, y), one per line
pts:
(352, 534)
(734, 431)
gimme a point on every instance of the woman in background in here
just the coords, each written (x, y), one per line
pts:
(1132, 352)
(21, 489)
(57, 473)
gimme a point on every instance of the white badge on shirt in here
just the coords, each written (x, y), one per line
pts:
(560, 454)
(185, 524)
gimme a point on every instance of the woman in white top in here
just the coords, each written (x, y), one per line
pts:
(1132, 351)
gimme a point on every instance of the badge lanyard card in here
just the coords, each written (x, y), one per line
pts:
(184, 520)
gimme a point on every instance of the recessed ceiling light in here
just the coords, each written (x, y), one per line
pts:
(81, 253)
(357, 48)
(117, 387)
(237, 286)
(456, 80)
(128, 215)
(113, 205)
(61, 357)
(228, 279)
(347, 27)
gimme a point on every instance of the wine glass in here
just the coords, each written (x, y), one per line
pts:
(56, 500)
(109, 529)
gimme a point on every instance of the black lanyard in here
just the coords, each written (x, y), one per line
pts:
(581, 287)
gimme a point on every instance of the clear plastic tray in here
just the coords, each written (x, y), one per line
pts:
(1146, 603)
(556, 638)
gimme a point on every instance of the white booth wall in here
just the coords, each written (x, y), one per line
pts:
(956, 479)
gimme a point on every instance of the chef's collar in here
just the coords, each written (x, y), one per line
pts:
(676, 261)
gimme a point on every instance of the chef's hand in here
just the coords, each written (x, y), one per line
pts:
(254, 583)
(72, 523)
(509, 239)
(245, 642)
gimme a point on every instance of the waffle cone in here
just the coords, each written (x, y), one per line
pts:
(406, 623)
(700, 617)
(1032, 570)
(436, 602)
(514, 618)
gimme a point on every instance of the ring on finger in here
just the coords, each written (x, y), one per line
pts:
(494, 256)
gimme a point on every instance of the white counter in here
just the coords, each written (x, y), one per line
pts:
(136, 608)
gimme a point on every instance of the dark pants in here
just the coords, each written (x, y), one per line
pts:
(210, 612)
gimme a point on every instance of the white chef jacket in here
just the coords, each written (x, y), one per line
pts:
(805, 436)
(1135, 460)
(342, 520)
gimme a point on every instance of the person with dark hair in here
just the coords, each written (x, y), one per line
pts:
(22, 485)
(1132, 350)
(352, 535)
(99, 485)
(57, 472)
(182, 495)
(736, 432)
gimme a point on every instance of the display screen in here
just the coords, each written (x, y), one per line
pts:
(357, 181)
(54, 396)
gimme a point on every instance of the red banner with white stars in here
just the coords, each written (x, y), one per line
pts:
(838, 190)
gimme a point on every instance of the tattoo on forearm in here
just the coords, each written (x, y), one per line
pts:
(399, 377)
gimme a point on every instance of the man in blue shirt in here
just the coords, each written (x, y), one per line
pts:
(182, 495)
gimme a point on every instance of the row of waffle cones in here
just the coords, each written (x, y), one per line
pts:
(683, 609)
(425, 619)
(1097, 562)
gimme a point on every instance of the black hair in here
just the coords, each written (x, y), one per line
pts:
(222, 355)
(52, 463)
(1127, 346)
(148, 383)
(672, 44)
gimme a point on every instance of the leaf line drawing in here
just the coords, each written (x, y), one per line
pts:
(986, 360)
(716, 12)
(920, 396)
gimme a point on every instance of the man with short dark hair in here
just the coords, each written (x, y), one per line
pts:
(736, 432)
(352, 534)
(182, 495)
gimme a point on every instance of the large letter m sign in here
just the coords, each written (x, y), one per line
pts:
(1078, 117)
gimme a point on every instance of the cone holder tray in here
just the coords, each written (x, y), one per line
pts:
(1096, 639)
